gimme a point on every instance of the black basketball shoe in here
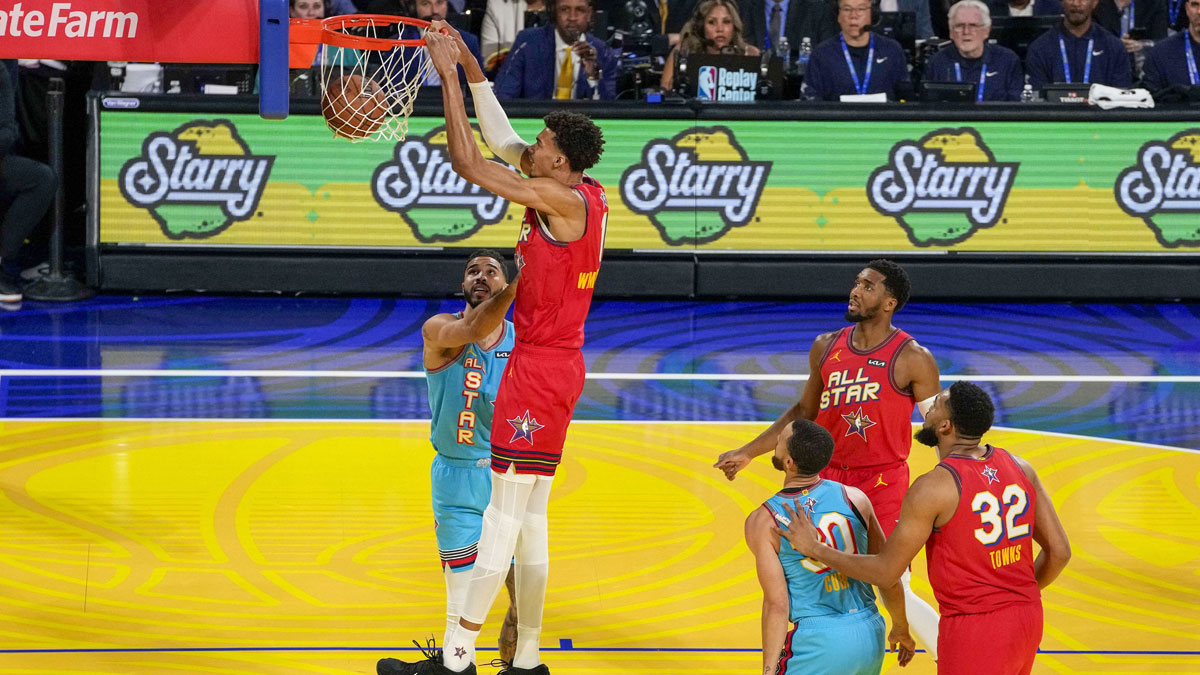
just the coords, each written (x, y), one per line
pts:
(431, 665)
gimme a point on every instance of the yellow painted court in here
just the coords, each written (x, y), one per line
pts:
(281, 547)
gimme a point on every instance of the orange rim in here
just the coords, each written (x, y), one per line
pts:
(331, 33)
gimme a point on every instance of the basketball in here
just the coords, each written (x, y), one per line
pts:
(353, 109)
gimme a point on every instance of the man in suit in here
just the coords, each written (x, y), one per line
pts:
(995, 70)
(1026, 7)
(559, 60)
(798, 19)
(1092, 53)
(429, 10)
(856, 61)
(1171, 62)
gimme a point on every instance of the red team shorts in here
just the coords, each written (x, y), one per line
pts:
(885, 485)
(533, 408)
(1003, 642)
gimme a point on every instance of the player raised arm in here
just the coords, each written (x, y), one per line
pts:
(557, 201)
(443, 333)
(764, 544)
(899, 638)
(806, 407)
(493, 123)
(1048, 532)
(930, 502)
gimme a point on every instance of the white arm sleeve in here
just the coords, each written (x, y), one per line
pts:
(494, 124)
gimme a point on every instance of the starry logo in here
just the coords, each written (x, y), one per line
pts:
(523, 428)
(990, 474)
(948, 172)
(810, 505)
(696, 186)
(859, 423)
(460, 652)
(197, 180)
(1163, 189)
(421, 186)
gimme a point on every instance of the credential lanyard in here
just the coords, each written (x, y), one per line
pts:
(1193, 73)
(982, 78)
(860, 88)
(1087, 65)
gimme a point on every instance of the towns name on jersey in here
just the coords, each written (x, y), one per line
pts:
(17, 22)
(841, 389)
(170, 171)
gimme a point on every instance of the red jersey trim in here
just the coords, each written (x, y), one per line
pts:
(543, 228)
(881, 345)
(906, 391)
(828, 348)
(448, 363)
(853, 507)
(586, 211)
(503, 330)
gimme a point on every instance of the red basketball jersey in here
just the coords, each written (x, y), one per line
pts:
(557, 277)
(869, 415)
(981, 560)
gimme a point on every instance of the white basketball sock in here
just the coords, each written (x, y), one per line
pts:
(532, 571)
(459, 652)
(457, 584)
(922, 619)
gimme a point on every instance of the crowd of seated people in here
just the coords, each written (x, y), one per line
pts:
(584, 49)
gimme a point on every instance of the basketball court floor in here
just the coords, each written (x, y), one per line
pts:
(196, 484)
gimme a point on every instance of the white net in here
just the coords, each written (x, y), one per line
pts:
(368, 94)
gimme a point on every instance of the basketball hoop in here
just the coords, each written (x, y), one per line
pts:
(369, 76)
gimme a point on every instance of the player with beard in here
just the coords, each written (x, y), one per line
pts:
(559, 252)
(464, 356)
(865, 380)
(836, 625)
(976, 513)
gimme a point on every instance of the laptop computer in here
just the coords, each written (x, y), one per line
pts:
(948, 92)
(1016, 32)
(732, 78)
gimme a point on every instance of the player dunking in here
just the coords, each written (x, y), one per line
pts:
(558, 254)
(464, 355)
(976, 513)
(864, 382)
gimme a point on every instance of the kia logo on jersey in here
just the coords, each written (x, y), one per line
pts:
(876, 362)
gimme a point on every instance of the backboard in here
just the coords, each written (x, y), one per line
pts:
(165, 31)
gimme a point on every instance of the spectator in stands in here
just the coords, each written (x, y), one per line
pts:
(857, 61)
(994, 69)
(1119, 17)
(559, 60)
(715, 28)
(766, 20)
(436, 10)
(306, 9)
(1175, 61)
(1026, 7)
(501, 23)
(1093, 55)
(27, 188)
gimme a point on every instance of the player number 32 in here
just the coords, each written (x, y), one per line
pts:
(994, 525)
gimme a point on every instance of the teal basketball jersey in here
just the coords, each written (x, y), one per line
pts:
(813, 589)
(461, 396)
